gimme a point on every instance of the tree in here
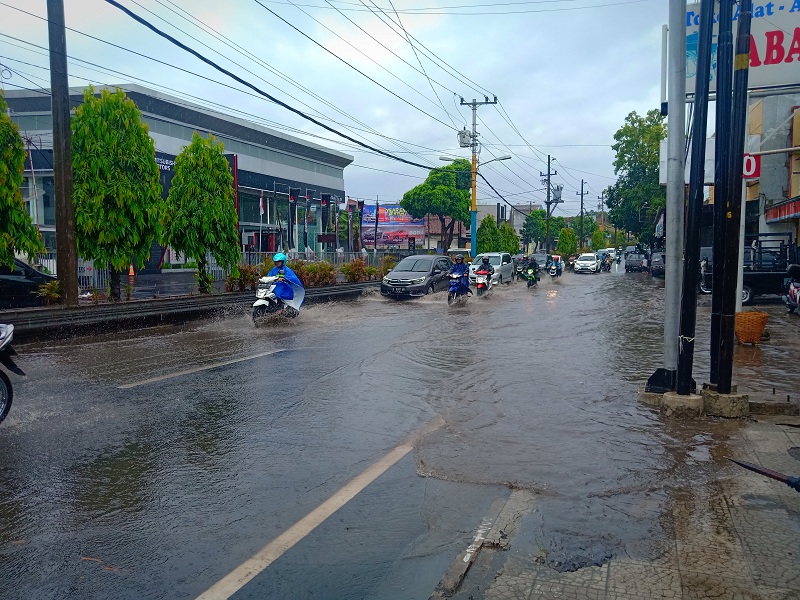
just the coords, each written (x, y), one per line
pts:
(589, 226)
(17, 231)
(621, 241)
(508, 239)
(634, 200)
(201, 213)
(117, 192)
(533, 230)
(598, 240)
(439, 196)
(567, 242)
(488, 236)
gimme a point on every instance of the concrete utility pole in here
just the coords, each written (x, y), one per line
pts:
(549, 203)
(474, 143)
(602, 207)
(663, 380)
(66, 253)
(581, 194)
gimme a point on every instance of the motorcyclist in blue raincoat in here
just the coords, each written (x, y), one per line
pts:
(461, 268)
(286, 276)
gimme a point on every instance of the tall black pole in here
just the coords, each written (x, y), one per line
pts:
(377, 212)
(691, 267)
(66, 252)
(733, 215)
(722, 172)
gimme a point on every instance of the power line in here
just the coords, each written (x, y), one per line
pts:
(432, 10)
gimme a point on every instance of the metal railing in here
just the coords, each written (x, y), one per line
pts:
(89, 276)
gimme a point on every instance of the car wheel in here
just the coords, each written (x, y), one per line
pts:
(430, 289)
(500, 280)
(6, 395)
(747, 294)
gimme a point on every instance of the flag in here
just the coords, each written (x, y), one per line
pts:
(261, 204)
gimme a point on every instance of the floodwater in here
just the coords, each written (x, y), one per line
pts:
(151, 464)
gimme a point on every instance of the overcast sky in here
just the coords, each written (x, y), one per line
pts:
(566, 72)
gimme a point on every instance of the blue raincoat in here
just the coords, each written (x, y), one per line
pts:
(286, 290)
(461, 269)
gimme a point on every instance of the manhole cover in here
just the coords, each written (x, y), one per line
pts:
(795, 453)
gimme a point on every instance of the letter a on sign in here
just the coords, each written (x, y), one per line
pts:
(752, 167)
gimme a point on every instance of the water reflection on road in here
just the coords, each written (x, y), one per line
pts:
(537, 389)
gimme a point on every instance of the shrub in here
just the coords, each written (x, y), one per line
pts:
(50, 292)
(243, 277)
(355, 270)
(320, 273)
(128, 289)
(265, 267)
(373, 273)
(387, 264)
(300, 269)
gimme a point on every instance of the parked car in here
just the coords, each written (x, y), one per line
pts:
(502, 263)
(657, 264)
(759, 278)
(587, 263)
(541, 259)
(417, 275)
(19, 284)
(633, 262)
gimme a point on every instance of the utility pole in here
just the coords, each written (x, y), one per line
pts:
(602, 207)
(581, 194)
(549, 203)
(473, 142)
(66, 253)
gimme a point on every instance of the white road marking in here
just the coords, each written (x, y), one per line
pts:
(233, 361)
(239, 577)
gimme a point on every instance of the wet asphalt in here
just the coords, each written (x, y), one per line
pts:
(120, 477)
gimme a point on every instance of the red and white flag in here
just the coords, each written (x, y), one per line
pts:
(261, 204)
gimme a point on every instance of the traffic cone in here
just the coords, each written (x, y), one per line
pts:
(130, 272)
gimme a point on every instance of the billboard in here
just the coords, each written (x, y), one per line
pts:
(395, 226)
(774, 45)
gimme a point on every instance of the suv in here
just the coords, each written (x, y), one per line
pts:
(657, 264)
(633, 262)
(502, 263)
(588, 263)
(19, 284)
(417, 275)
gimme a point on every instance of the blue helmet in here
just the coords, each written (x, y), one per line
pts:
(279, 256)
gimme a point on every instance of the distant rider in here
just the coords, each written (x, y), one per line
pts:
(285, 277)
(486, 265)
(461, 268)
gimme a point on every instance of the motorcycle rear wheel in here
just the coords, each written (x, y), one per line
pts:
(481, 290)
(451, 297)
(6, 395)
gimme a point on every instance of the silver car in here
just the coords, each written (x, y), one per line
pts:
(501, 261)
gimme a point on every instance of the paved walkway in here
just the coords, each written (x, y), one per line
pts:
(737, 539)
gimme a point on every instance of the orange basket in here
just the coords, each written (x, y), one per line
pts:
(750, 326)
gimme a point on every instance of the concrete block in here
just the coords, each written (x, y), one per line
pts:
(650, 398)
(678, 406)
(774, 408)
(732, 406)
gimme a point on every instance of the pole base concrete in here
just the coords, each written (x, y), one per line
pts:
(675, 405)
(731, 406)
(654, 399)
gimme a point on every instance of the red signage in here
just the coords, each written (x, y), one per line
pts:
(783, 212)
(752, 167)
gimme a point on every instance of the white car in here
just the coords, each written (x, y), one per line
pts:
(502, 263)
(587, 263)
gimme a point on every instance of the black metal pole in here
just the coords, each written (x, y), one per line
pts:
(691, 267)
(722, 172)
(66, 251)
(733, 216)
(377, 212)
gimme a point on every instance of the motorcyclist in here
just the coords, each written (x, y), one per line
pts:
(461, 268)
(286, 277)
(559, 264)
(485, 265)
(532, 264)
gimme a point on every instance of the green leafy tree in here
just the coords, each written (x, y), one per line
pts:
(598, 240)
(567, 242)
(117, 192)
(636, 197)
(589, 226)
(488, 235)
(620, 239)
(508, 239)
(439, 196)
(201, 212)
(533, 229)
(17, 232)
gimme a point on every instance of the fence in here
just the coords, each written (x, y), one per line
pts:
(336, 258)
(89, 276)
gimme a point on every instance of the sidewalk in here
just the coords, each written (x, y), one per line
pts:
(736, 538)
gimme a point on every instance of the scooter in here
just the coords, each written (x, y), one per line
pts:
(267, 303)
(792, 298)
(530, 275)
(456, 294)
(555, 271)
(483, 281)
(6, 352)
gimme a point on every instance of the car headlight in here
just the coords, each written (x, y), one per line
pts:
(385, 279)
(418, 280)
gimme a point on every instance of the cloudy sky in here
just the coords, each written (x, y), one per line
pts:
(566, 73)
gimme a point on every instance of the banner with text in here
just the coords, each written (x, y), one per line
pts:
(395, 226)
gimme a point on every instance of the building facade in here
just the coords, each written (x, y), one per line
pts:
(265, 163)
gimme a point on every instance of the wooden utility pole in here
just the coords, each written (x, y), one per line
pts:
(66, 254)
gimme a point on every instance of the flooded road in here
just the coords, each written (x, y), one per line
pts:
(153, 464)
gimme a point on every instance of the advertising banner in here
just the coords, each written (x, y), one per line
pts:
(774, 44)
(395, 226)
